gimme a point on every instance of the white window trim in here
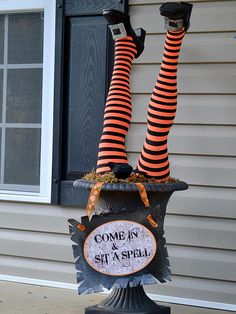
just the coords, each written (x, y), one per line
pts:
(49, 8)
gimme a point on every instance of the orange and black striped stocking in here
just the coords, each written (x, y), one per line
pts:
(153, 160)
(118, 108)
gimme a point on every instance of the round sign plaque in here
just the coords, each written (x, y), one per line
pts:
(119, 248)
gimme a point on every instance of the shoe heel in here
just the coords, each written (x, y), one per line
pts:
(141, 35)
(119, 24)
(187, 20)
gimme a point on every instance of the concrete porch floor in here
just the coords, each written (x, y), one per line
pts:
(18, 298)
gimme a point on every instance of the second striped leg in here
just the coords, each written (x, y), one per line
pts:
(154, 161)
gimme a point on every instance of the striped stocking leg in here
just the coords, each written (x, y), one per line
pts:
(153, 161)
(118, 108)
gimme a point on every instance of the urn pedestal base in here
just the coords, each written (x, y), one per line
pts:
(123, 208)
(128, 301)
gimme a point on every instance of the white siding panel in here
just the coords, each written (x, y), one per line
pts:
(191, 139)
(35, 217)
(201, 170)
(143, 2)
(205, 140)
(212, 171)
(204, 201)
(201, 232)
(37, 269)
(206, 17)
(36, 245)
(203, 78)
(197, 288)
(194, 109)
(199, 48)
(201, 262)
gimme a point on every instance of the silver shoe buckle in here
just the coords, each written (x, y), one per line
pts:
(118, 31)
(173, 25)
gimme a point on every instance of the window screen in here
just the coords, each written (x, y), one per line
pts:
(21, 64)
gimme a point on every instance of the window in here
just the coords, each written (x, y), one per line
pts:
(27, 39)
(49, 135)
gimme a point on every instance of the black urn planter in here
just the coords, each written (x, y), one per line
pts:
(135, 257)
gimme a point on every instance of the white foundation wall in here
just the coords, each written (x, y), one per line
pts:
(201, 222)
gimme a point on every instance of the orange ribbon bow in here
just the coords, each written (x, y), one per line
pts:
(93, 198)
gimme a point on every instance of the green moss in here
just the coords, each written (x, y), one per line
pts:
(109, 177)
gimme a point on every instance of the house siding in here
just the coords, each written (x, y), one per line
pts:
(200, 224)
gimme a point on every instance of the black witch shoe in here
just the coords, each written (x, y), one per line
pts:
(119, 24)
(121, 171)
(177, 15)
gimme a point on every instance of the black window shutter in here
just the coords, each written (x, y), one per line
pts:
(83, 65)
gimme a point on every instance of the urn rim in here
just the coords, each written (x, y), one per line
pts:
(132, 187)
